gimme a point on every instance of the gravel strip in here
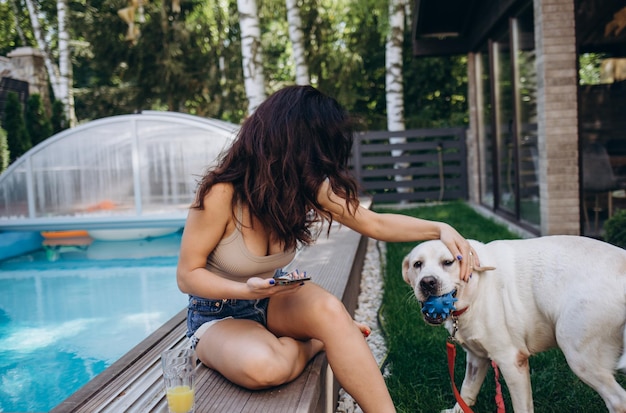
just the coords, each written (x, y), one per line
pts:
(369, 302)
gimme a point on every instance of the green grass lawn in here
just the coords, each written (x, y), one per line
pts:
(419, 379)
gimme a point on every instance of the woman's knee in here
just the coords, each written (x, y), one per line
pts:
(330, 310)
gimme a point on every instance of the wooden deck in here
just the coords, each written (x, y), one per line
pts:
(134, 383)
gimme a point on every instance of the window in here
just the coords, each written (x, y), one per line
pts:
(507, 122)
(525, 86)
(504, 125)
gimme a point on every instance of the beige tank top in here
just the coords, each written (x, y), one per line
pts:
(231, 258)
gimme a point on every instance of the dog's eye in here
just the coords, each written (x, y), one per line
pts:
(447, 263)
(417, 264)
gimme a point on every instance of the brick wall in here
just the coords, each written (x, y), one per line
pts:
(473, 168)
(557, 116)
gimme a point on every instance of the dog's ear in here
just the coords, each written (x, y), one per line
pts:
(405, 269)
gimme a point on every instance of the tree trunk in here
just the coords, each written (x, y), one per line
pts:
(297, 42)
(393, 80)
(60, 80)
(252, 59)
(51, 67)
(65, 64)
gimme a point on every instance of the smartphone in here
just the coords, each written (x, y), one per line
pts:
(286, 278)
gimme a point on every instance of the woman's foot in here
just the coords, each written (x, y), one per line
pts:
(365, 330)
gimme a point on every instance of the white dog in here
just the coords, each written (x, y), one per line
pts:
(564, 291)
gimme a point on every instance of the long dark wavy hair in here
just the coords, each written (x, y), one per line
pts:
(283, 152)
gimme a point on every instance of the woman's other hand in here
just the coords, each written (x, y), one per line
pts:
(460, 249)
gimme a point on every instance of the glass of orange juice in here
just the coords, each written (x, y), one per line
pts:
(178, 376)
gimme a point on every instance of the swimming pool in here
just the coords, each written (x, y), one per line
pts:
(67, 313)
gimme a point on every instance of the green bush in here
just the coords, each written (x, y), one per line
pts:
(615, 229)
(58, 120)
(37, 122)
(4, 150)
(17, 134)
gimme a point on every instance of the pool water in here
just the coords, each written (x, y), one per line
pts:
(67, 313)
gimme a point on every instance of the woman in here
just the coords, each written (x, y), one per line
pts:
(286, 171)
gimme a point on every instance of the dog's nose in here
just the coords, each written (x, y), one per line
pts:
(428, 285)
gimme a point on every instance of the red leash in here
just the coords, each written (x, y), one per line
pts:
(451, 356)
(499, 398)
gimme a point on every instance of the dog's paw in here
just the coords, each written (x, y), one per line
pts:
(455, 409)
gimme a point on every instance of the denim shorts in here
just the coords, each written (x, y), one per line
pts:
(201, 311)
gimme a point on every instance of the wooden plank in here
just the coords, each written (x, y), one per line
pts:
(409, 133)
(447, 144)
(450, 170)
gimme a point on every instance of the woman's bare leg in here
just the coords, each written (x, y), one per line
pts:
(247, 354)
(314, 312)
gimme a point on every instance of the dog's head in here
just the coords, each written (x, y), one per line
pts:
(431, 270)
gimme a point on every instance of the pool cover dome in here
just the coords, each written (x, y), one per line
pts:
(125, 171)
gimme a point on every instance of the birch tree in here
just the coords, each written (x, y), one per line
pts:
(65, 63)
(60, 82)
(296, 36)
(51, 67)
(251, 53)
(393, 79)
(393, 66)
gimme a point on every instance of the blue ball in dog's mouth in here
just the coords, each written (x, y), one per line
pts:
(437, 308)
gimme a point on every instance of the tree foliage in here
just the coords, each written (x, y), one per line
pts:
(10, 38)
(436, 90)
(187, 61)
(589, 68)
(190, 61)
(37, 122)
(58, 121)
(17, 135)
